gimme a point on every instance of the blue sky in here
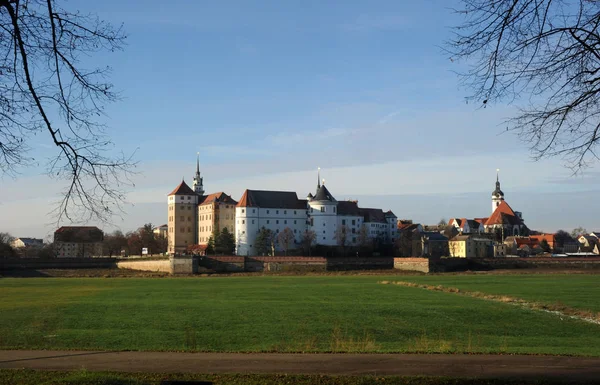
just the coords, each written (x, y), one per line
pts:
(267, 91)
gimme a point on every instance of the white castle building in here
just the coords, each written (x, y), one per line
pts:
(277, 210)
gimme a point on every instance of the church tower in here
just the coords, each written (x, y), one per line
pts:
(197, 186)
(497, 194)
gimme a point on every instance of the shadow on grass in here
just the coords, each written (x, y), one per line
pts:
(57, 356)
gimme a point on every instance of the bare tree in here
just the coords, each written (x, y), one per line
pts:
(285, 239)
(308, 240)
(342, 237)
(576, 232)
(543, 55)
(44, 89)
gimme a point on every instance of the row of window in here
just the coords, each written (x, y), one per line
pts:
(268, 211)
(323, 209)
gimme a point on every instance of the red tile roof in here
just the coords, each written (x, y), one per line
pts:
(503, 215)
(182, 189)
(547, 237)
(217, 197)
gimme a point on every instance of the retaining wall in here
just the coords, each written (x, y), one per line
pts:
(412, 264)
(160, 265)
(536, 262)
(57, 263)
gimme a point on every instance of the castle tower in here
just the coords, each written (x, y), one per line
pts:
(182, 204)
(497, 194)
(323, 215)
(197, 185)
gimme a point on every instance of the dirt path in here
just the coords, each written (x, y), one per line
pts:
(479, 366)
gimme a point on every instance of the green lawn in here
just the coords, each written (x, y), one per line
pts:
(581, 291)
(269, 313)
(31, 377)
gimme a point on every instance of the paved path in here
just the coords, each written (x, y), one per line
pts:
(481, 366)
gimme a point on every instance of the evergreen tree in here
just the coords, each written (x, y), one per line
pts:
(226, 242)
(210, 247)
(216, 236)
(263, 241)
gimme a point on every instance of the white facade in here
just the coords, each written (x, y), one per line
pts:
(249, 221)
(323, 221)
(353, 223)
(277, 210)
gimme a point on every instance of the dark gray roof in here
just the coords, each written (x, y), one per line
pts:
(31, 241)
(373, 215)
(272, 199)
(348, 208)
(473, 223)
(323, 194)
(434, 236)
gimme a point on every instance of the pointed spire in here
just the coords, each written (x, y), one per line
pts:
(497, 175)
(198, 163)
(318, 177)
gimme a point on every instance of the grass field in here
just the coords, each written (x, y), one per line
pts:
(580, 291)
(30, 377)
(295, 313)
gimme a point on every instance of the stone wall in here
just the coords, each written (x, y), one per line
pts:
(183, 265)
(536, 262)
(443, 265)
(57, 263)
(157, 265)
(222, 264)
(352, 263)
(412, 264)
(292, 263)
(286, 264)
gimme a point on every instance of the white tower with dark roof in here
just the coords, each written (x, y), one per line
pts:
(323, 214)
(497, 194)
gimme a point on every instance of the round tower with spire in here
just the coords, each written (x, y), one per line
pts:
(323, 214)
(497, 194)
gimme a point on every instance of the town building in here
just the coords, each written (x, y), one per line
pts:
(466, 226)
(470, 246)
(503, 222)
(193, 217)
(523, 246)
(78, 242)
(545, 239)
(26, 242)
(587, 243)
(430, 244)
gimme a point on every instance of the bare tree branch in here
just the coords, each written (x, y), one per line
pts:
(544, 56)
(44, 89)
